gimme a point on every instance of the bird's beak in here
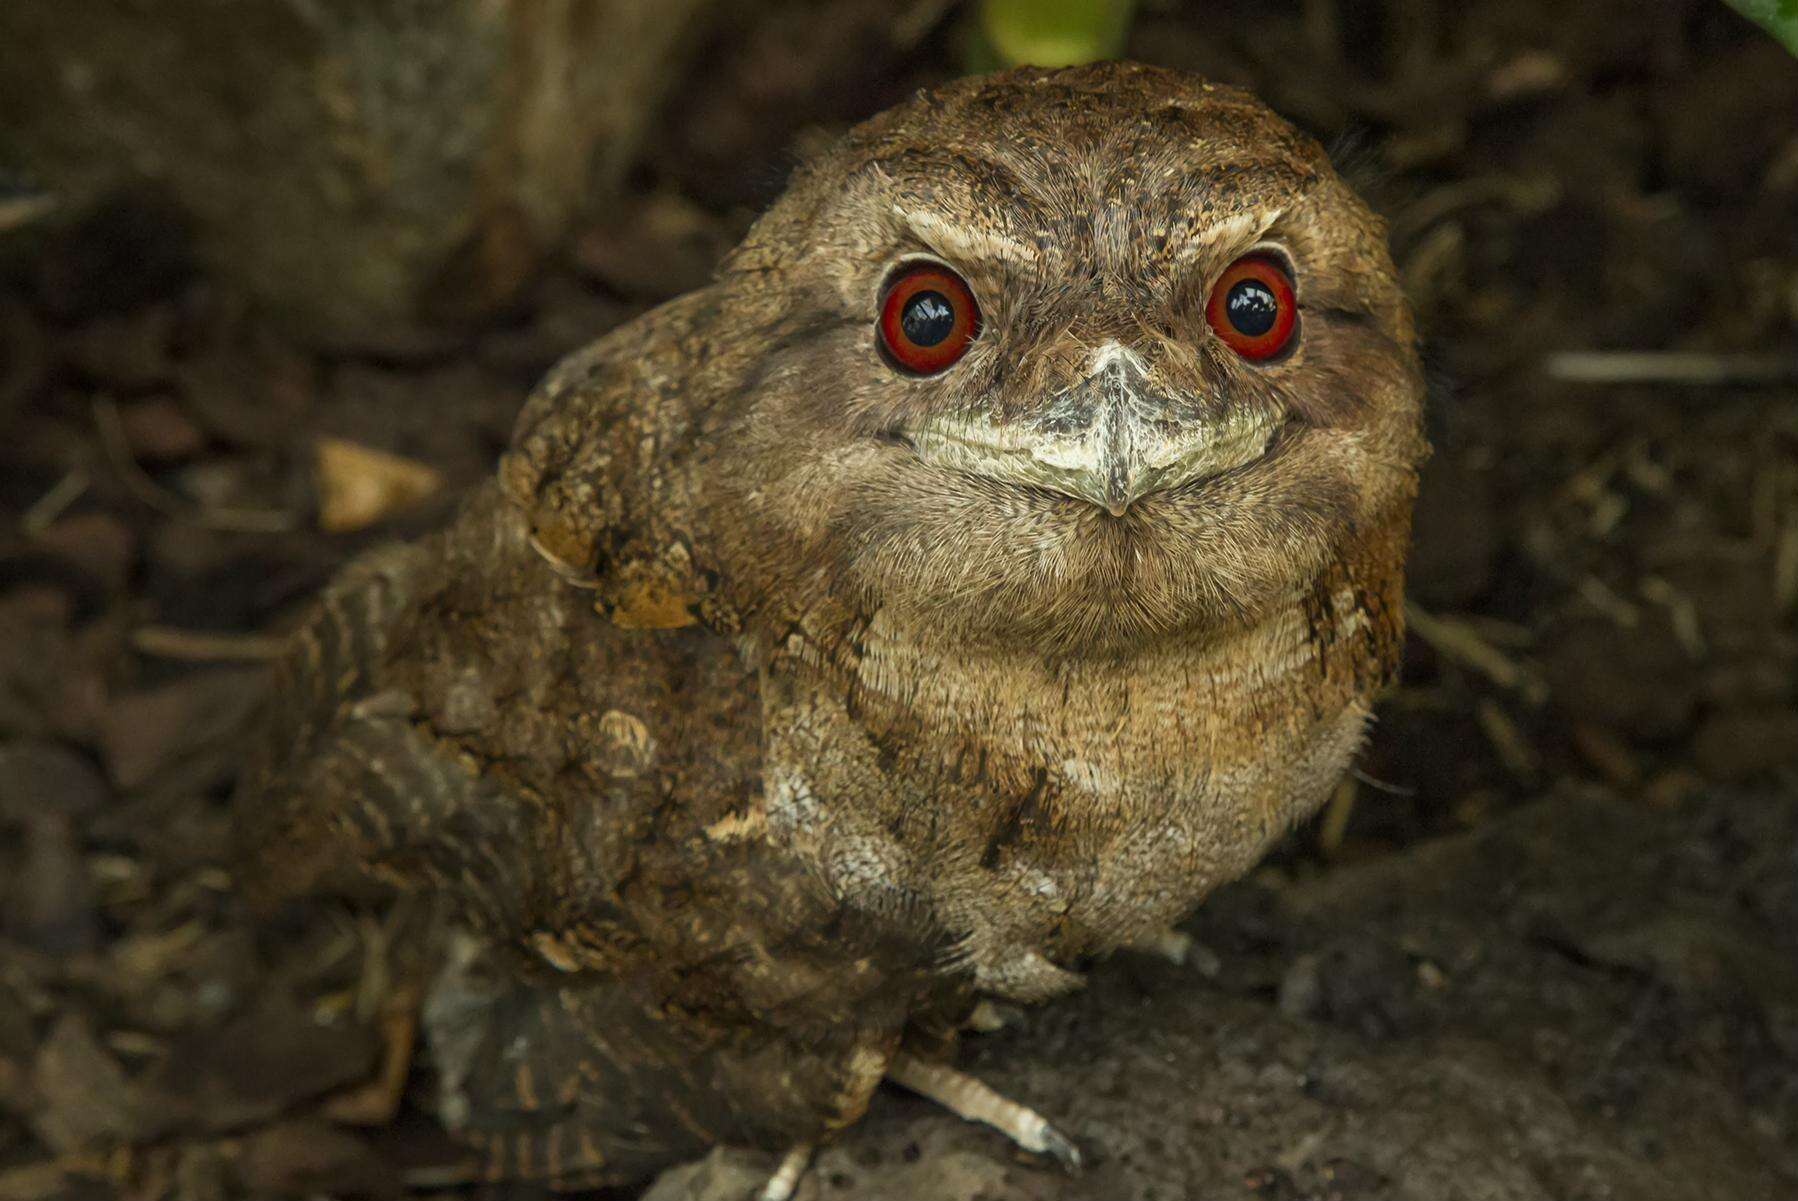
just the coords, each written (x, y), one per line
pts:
(1109, 440)
(1109, 460)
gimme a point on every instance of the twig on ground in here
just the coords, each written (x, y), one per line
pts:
(1379, 785)
(1336, 816)
(1678, 368)
(54, 503)
(1508, 742)
(1458, 640)
(196, 646)
(146, 489)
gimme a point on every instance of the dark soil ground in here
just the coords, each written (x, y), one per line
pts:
(1544, 945)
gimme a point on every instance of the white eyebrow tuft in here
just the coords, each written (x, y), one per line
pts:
(952, 241)
(1244, 229)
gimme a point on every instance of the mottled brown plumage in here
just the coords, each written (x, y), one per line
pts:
(749, 726)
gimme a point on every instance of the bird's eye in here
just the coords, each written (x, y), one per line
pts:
(928, 318)
(1253, 307)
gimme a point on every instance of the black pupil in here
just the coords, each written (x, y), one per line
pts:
(1251, 307)
(927, 319)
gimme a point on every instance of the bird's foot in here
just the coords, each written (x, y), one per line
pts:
(968, 1098)
(1179, 949)
(988, 1017)
(785, 1182)
(1169, 944)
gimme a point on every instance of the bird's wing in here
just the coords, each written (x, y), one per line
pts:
(609, 471)
(345, 773)
(504, 711)
(453, 716)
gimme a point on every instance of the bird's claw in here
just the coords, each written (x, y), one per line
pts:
(785, 1182)
(1062, 1149)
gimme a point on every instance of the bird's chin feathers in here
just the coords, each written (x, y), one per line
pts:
(965, 558)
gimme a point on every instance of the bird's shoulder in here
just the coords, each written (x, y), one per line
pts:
(617, 729)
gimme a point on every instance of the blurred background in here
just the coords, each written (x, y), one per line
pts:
(276, 276)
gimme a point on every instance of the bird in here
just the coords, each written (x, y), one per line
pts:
(1003, 551)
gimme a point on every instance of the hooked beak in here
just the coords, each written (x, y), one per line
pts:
(1108, 440)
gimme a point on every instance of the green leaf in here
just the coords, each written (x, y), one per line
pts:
(1059, 33)
(1778, 17)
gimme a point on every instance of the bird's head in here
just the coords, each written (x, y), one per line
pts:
(1073, 359)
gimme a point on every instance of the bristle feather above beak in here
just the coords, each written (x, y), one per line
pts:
(1113, 454)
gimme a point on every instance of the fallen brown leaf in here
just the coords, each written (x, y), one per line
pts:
(359, 485)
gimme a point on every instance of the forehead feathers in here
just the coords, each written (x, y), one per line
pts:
(1113, 169)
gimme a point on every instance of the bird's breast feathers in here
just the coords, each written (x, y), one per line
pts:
(1043, 810)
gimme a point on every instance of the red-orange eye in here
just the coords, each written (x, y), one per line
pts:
(1253, 308)
(927, 318)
